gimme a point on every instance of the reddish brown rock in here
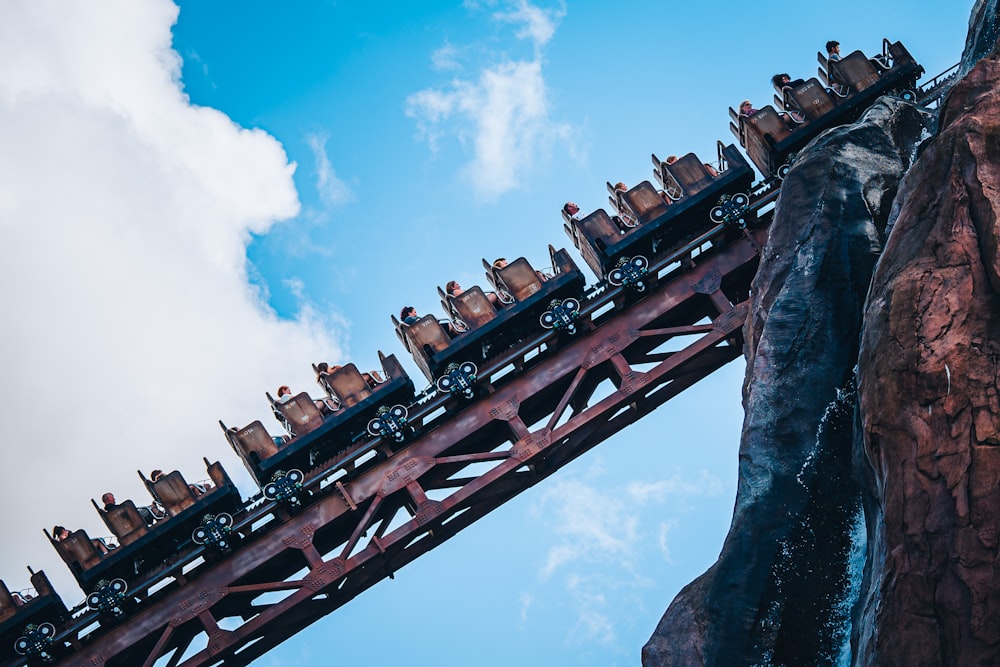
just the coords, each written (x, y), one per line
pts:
(930, 413)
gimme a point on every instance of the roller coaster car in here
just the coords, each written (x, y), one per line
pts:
(45, 607)
(143, 548)
(849, 86)
(489, 333)
(338, 433)
(694, 191)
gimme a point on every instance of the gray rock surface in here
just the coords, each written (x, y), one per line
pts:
(778, 593)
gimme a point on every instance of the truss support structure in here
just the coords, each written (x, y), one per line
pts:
(290, 570)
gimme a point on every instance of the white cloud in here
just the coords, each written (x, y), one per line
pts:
(537, 24)
(662, 535)
(332, 191)
(600, 535)
(526, 602)
(646, 492)
(131, 326)
(502, 116)
(445, 58)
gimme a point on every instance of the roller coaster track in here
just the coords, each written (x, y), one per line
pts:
(631, 356)
(548, 399)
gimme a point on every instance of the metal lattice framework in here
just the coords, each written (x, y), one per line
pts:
(354, 534)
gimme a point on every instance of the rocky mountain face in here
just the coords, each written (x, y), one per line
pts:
(867, 517)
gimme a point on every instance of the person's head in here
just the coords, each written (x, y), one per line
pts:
(780, 80)
(500, 262)
(833, 46)
(60, 533)
(746, 107)
(571, 209)
(322, 367)
(671, 159)
(452, 287)
(108, 498)
(283, 389)
(155, 475)
(407, 311)
(620, 187)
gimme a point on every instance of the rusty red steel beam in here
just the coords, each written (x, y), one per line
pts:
(402, 473)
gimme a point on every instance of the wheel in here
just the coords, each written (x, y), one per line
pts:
(640, 262)
(271, 491)
(399, 436)
(223, 520)
(783, 171)
(740, 199)
(375, 427)
(570, 305)
(295, 476)
(640, 286)
(908, 96)
(615, 278)
(199, 535)
(468, 368)
(119, 586)
(444, 384)
(21, 645)
(717, 215)
(547, 319)
(398, 411)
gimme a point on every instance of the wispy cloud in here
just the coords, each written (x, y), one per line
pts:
(601, 534)
(332, 191)
(502, 115)
(446, 58)
(526, 602)
(535, 23)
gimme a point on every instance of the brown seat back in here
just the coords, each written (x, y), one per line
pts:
(77, 547)
(217, 474)
(900, 55)
(599, 225)
(348, 385)
(427, 331)
(7, 605)
(300, 413)
(125, 522)
(767, 122)
(173, 493)
(253, 439)
(520, 279)
(645, 202)
(854, 70)
(473, 307)
(690, 173)
(811, 98)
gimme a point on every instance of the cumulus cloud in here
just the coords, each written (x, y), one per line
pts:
(502, 115)
(131, 326)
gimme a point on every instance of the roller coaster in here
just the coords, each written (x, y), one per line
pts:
(524, 377)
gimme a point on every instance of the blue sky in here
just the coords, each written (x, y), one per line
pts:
(197, 202)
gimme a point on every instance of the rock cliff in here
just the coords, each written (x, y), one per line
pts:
(881, 270)
(930, 414)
